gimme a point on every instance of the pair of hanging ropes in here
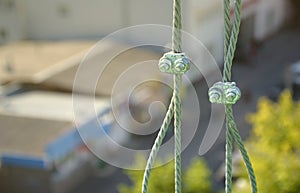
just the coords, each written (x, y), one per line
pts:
(225, 92)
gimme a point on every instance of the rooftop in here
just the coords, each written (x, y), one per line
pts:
(46, 105)
(54, 64)
(29, 136)
(23, 59)
(127, 61)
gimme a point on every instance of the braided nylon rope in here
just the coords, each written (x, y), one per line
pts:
(174, 109)
(231, 129)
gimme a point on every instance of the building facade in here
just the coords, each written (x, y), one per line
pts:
(56, 20)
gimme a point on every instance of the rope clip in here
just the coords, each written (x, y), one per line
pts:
(224, 93)
(174, 63)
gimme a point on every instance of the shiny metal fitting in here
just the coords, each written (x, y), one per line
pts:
(224, 93)
(174, 63)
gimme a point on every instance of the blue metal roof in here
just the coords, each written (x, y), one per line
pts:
(60, 147)
(24, 161)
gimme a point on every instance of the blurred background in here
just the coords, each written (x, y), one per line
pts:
(42, 43)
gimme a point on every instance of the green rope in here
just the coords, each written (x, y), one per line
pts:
(229, 55)
(231, 129)
(177, 26)
(227, 26)
(245, 156)
(177, 133)
(158, 141)
(176, 47)
(228, 167)
(174, 109)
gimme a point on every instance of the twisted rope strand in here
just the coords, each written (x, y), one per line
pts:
(176, 47)
(174, 109)
(232, 126)
(233, 40)
(155, 148)
(227, 26)
(228, 166)
(177, 131)
(228, 147)
(246, 158)
(231, 129)
(177, 26)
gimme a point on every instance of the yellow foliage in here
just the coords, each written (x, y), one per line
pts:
(196, 178)
(274, 146)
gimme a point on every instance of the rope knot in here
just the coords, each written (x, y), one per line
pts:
(224, 93)
(174, 63)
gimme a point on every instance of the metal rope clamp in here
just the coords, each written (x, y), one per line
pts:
(174, 63)
(224, 93)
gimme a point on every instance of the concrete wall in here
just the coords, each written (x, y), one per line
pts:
(67, 19)
(80, 19)
(76, 18)
(72, 18)
(270, 16)
(204, 20)
(11, 21)
(149, 12)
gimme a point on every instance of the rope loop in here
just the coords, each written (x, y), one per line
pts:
(228, 93)
(174, 62)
